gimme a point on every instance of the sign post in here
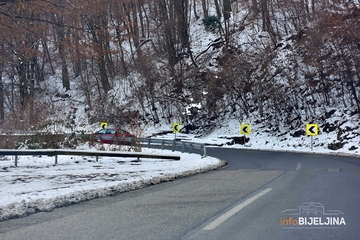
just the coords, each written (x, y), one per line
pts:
(312, 129)
(176, 128)
(245, 130)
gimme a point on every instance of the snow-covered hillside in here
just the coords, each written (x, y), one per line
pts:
(275, 70)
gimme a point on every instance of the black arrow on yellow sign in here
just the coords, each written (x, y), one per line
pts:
(245, 129)
(311, 129)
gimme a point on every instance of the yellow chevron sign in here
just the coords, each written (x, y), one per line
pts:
(312, 129)
(245, 129)
(176, 127)
(103, 125)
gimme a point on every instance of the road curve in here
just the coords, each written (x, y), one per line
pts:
(257, 196)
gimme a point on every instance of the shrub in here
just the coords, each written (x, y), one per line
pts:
(212, 24)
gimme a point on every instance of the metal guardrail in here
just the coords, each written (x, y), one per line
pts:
(55, 153)
(173, 144)
(185, 146)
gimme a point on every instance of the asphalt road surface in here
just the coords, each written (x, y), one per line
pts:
(258, 195)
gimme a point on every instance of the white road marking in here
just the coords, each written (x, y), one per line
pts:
(231, 212)
(333, 169)
(298, 166)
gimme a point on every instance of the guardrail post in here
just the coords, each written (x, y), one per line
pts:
(190, 148)
(173, 146)
(182, 146)
(204, 150)
(56, 160)
(162, 144)
(16, 160)
(97, 158)
(149, 142)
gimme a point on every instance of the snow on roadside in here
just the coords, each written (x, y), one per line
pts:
(39, 185)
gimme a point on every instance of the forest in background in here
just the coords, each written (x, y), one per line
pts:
(286, 61)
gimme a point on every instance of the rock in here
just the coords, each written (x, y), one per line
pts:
(335, 146)
(353, 148)
(327, 127)
(240, 140)
(330, 113)
(298, 133)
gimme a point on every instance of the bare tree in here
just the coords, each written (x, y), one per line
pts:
(2, 92)
(205, 8)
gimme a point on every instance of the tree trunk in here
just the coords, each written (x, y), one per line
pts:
(100, 53)
(204, 7)
(266, 22)
(226, 13)
(255, 7)
(167, 21)
(22, 82)
(217, 7)
(61, 45)
(181, 11)
(2, 95)
(141, 18)
(194, 9)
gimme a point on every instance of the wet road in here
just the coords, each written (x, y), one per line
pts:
(258, 195)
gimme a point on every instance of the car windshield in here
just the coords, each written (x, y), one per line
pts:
(110, 131)
(102, 131)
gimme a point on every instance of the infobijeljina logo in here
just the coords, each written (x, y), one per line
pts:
(312, 215)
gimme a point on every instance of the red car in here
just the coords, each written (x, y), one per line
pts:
(114, 136)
